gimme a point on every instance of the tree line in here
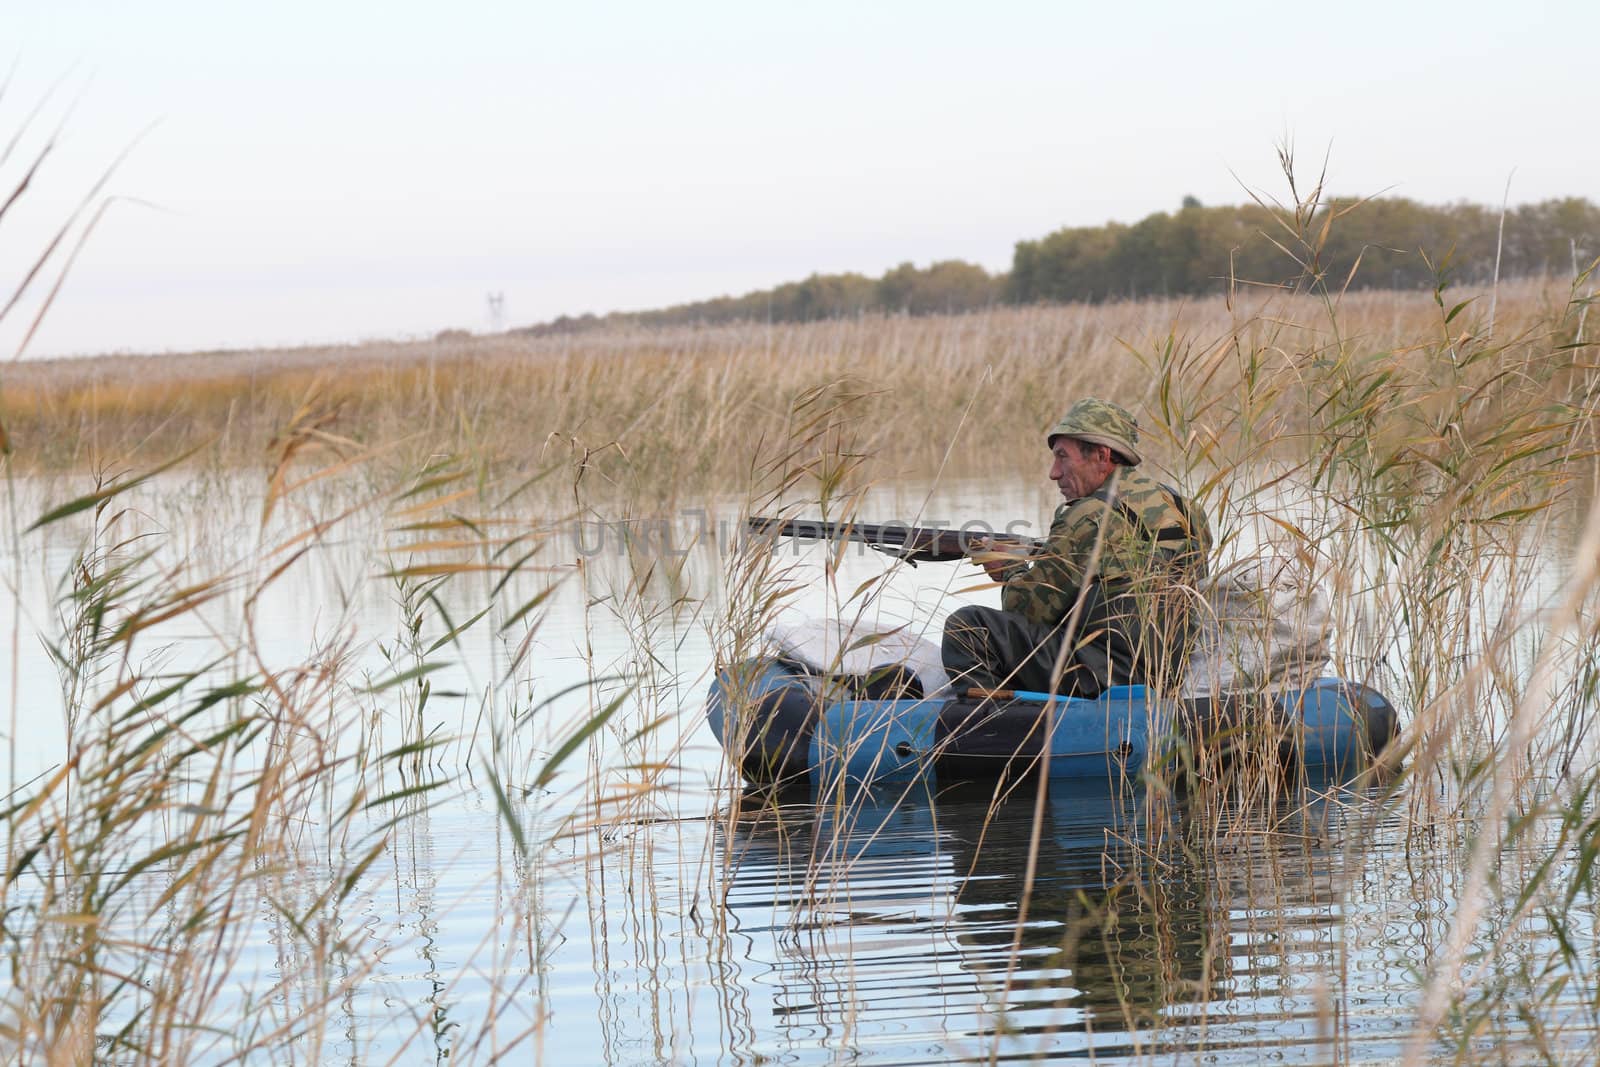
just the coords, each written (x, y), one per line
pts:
(1389, 243)
(944, 287)
(1382, 243)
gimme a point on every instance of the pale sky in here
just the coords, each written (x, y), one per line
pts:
(344, 171)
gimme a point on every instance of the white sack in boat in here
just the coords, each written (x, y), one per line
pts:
(859, 647)
(1265, 624)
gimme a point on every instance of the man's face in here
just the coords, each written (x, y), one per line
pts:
(1079, 468)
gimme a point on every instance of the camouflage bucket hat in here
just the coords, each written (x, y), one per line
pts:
(1100, 422)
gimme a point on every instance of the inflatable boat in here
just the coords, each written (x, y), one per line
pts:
(782, 722)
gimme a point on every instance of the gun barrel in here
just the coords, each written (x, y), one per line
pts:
(915, 543)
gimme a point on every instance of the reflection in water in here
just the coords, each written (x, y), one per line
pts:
(893, 921)
(886, 926)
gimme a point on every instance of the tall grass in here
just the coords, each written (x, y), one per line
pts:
(1433, 463)
(1422, 496)
(685, 409)
(1431, 459)
(190, 877)
(205, 779)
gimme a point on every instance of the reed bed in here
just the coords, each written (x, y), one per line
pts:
(687, 409)
(1430, 455)
(1431, 459)
(214, 801)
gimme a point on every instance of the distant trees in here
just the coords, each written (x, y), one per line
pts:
(821, 296)
(1383, 243)
(949, 286)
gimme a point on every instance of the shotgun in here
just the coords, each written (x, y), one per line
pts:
(914, 544)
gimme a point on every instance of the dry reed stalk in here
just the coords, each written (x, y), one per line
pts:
(1424, 447)
(196, 789)
(1414, 456)
(687, 406)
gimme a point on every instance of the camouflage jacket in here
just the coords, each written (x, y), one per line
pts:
(1153, 549)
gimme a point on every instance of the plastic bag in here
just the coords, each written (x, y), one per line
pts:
(1265, 625)
(859, 649)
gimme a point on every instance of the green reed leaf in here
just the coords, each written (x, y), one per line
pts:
(404, 676)
(578, 737)
(503, 803)
(100, 496)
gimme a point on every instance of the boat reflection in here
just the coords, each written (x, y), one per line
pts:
(901, 915)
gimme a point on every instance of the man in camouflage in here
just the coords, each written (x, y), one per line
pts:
(1106, 600)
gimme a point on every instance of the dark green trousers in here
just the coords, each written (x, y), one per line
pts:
(993, 649)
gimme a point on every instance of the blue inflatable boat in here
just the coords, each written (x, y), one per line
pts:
(782, 723)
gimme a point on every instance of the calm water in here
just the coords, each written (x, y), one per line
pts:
(690, 923)
(886, 927)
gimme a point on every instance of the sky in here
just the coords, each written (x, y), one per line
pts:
(345, 170)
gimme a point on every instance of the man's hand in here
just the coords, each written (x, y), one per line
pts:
(995, 559)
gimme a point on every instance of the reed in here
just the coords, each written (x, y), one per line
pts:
(1431, 460)
(1425, 455)
(686, 408)
(213, 799)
